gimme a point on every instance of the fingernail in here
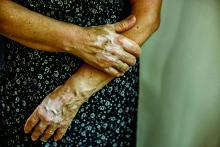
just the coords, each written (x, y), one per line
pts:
(130, 18)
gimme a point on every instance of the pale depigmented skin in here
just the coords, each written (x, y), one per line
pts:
(47, 34)
(58, 110)
(69, 100)
(132, 34)
(84, 90)
(103, 48)
(113, 50)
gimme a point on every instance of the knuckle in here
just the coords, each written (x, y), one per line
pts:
(39, 111)
(46, 120)
(122, 25)
(115, 52)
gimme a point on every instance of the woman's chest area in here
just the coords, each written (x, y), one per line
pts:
(81, 12)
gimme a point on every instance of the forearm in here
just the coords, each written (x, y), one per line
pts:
(68, 98)
(32, 29)
(86, 81)
(147, 13)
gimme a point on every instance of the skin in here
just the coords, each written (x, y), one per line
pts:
(55, 113)
(147, 13)
(41, 32)
(87, 80)
(113, 52)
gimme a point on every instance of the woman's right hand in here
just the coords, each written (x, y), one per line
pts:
(101, 46)
(104, 48)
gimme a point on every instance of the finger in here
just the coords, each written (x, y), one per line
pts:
(128, 59)
(31, 122)
(48, 132)
(119, 65)
(113, 72)
(129, 46)
(105, 59)
(124, 56)
(60, 133)
(125, 24)
(38, 130)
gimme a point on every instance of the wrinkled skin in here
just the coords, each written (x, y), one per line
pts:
(89, 77)
(104, 48)
(54, 114)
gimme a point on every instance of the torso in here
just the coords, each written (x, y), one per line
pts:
(108, 118)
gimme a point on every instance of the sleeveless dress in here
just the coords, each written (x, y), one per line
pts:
(108, 118)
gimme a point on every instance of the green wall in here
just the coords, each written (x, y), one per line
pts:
(179, 103)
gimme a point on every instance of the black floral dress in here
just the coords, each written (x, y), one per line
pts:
(28, 75)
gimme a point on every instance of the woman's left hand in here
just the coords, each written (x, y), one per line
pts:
(54, 115)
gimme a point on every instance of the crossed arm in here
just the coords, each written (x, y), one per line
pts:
(87, 80)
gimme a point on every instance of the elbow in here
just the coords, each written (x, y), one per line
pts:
(154, 24)
(157, 24)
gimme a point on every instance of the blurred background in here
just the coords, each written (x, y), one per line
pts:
(179, 103)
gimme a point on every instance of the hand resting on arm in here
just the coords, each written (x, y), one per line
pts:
(100, 46)
(87, 80)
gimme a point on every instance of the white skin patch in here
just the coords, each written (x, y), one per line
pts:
(109, 43)
(61, 107)
(53, 109)
(107, 56)
(100, 40)
(127, 43)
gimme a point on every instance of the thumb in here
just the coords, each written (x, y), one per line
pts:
(125, 24)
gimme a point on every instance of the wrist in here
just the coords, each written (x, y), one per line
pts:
(65, 96)
(72, 36)
(71, 98)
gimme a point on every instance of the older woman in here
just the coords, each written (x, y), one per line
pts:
(107, 118)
